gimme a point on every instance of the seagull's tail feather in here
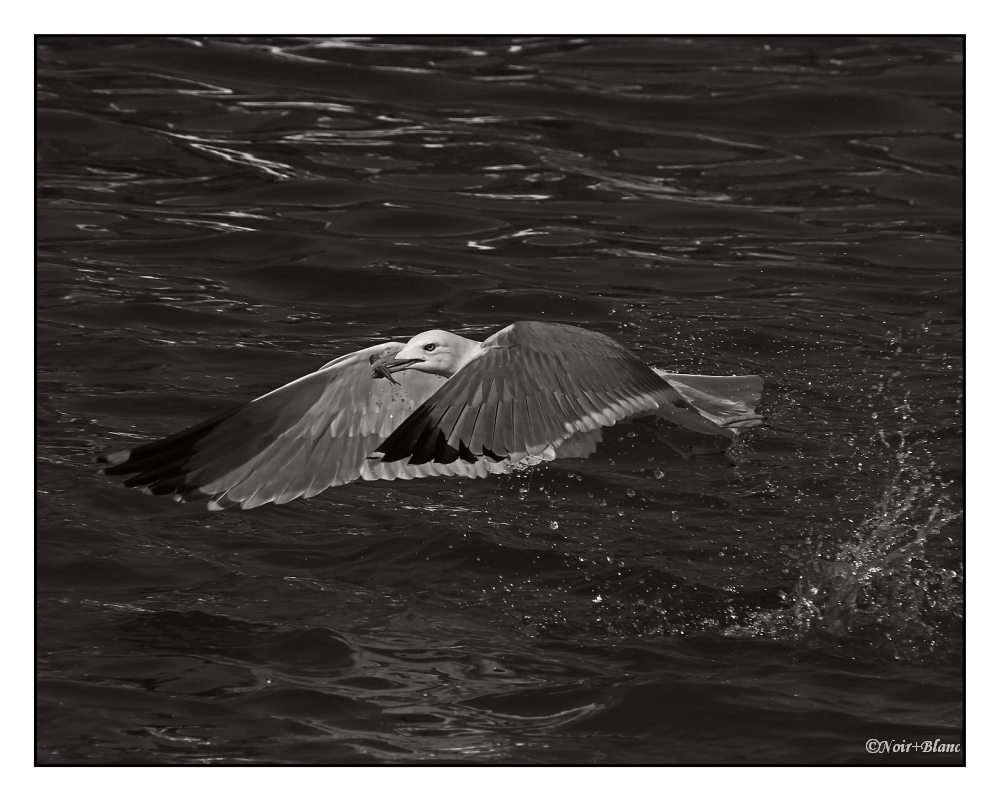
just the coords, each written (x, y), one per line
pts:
(727, 402)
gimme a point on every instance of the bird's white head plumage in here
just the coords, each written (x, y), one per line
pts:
(438, 352)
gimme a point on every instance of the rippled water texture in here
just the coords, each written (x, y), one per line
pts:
(218, 217)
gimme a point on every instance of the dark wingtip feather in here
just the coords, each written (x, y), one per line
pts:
(401, 442)
(431, 443)
(496, 457)
(465, 454)
(114, 458)
(423, 442)
(161, 466)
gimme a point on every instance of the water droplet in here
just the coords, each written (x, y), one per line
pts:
(553, 525)
(630, 492)
(658, 473)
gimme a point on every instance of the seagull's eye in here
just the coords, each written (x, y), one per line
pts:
(429, 347)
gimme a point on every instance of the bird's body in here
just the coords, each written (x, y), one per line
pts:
(440, 404)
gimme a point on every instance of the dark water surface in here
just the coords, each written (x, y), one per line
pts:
(220, 216)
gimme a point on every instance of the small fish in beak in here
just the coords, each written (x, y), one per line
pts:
(386, 366)
(379, 370)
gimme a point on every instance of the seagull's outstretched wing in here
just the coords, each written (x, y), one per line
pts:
(534, 386)
(311, 434)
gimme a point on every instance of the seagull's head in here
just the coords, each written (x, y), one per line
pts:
(437, 352)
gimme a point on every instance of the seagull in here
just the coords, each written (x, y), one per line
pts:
(438, 405)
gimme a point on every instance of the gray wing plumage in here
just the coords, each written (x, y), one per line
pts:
(534, 386)
(314, 433)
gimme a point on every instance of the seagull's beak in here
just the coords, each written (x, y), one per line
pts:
(385, 367)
